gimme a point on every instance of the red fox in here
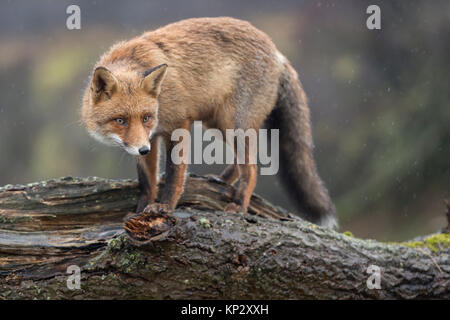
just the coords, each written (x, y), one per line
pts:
(221, 71)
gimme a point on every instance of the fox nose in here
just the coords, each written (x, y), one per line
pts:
(144, 150)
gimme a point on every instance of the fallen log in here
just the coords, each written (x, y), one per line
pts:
(47, 227)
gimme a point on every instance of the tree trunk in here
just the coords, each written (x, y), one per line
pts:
(267, 254)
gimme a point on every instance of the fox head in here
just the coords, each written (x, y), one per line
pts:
(121, 109)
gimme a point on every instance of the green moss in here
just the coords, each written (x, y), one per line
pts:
(128, 258)
(348, 234)
(435, 242)
(205, 223)
(131, 260)
(115, 244)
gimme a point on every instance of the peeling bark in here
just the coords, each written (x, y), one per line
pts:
(266, 254)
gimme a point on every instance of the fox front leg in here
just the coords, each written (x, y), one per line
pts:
(175, 172)
(173, 187)
(155, 220)
(147, 169)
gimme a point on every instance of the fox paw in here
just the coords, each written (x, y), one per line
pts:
(233, 208)
(157, 208)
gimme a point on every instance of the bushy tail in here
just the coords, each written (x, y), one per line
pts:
(297, 166)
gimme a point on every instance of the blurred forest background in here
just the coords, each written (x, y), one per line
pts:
(379, 98)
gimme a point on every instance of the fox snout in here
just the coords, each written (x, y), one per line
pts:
(144, 150)
(129, 134)
(137, 148)
(136, 137)
(135, 151)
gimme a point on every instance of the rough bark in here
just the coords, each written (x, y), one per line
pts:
(266, 254)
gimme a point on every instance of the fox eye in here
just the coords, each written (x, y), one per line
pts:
(146, 119)
(120, 121)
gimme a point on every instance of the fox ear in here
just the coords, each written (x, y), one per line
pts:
(153, 79)
(103, 84)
